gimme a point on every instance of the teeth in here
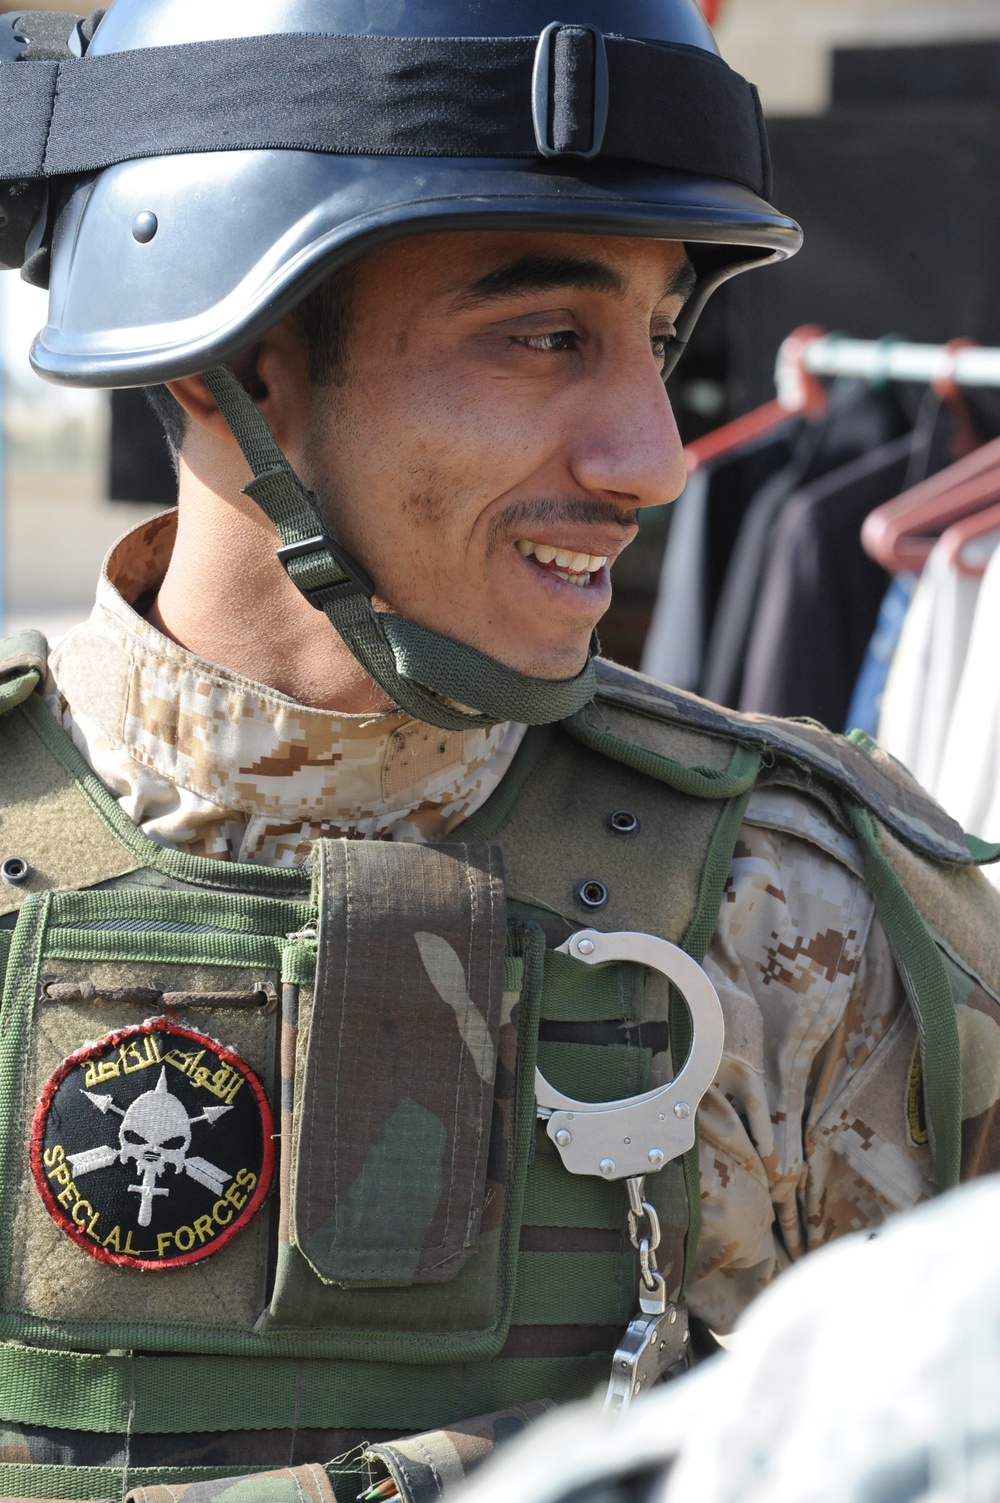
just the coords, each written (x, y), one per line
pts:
(563, 558)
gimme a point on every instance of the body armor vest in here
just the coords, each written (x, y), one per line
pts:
(325, 1079)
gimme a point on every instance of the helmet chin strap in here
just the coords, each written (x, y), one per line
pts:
(431, 677)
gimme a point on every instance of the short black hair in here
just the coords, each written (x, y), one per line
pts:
(324, 320)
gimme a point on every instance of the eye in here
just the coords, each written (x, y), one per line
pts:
(661, 345)
(172, 1143)
(132, 1137)
(558, 342)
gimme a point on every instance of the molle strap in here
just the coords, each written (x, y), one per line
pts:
(397, 1096)
(431, 677)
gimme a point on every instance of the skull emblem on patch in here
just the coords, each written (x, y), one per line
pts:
(154, 1147)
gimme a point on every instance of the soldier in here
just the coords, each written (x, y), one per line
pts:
(370, 944)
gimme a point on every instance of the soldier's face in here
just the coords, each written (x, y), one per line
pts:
(502, 421)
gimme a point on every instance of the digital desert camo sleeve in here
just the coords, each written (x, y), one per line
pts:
(815, 1127)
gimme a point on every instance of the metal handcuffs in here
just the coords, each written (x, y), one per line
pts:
(637, 1136)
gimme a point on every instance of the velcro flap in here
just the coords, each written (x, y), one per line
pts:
(394, 1117)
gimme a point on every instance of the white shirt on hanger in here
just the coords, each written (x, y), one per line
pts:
(969, 780)
(927, 666)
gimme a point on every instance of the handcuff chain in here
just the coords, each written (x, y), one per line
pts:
(640, 1209)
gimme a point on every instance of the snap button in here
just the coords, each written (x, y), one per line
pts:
(623, 822)
(591, 894)
(15, 871)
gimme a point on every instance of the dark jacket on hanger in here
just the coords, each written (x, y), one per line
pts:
(820, 592)
(859, 419)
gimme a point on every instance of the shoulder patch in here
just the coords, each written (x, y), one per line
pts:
(152, 1148)
(873, 778)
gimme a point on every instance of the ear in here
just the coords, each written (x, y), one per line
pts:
(274, 372)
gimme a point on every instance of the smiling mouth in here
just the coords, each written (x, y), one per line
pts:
(575, 568)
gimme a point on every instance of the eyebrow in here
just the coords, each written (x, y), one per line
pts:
(542, 274)
(683, 281)
(551, 273)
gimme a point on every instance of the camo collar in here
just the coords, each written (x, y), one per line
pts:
(216, 765)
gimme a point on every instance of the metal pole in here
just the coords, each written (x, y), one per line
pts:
(888, 360)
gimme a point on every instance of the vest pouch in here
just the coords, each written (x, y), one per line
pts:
(408, 1068)
(138, 1064)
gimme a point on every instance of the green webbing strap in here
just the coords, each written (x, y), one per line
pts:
(554, 1198)
(414, 665)
(738, 776)
(68, 1483)
(587, 1289)
(149, 1394)
(714, 877)
(596, 1072)
(575, 994)
(923, 971)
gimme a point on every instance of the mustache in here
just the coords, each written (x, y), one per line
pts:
(584, 509)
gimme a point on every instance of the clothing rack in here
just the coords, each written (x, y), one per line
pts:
(879, 360)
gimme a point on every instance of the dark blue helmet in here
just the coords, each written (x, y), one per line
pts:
(182, 175)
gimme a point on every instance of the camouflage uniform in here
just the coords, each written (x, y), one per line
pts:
(207, 762)
(809, 1131)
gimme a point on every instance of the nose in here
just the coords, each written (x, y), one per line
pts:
(627, 446)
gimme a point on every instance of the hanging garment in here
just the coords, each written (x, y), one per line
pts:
(703, 528)
(869, 691)
(924, 677)
(969, 776)
(821, 593)
(860, 418)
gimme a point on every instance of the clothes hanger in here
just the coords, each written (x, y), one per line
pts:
(799, 393)
(954, 542)
(900, 534)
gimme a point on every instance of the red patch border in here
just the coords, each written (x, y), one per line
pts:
(68, 1225)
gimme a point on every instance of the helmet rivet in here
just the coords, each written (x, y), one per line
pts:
(145, 226)
(590, 893)
(15, 871)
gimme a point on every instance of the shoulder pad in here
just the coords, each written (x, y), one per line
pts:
(866, 773)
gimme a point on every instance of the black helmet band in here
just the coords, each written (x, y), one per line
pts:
(583, 95)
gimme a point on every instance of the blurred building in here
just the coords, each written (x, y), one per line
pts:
(786, 46)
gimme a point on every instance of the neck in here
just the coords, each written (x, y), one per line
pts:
(226, 597)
